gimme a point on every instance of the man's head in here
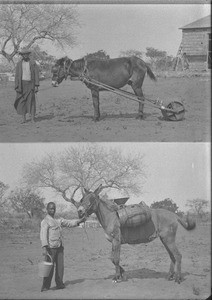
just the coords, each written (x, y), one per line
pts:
(25, 53)
(51, 208)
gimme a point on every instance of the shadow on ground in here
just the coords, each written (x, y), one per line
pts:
(143, 273)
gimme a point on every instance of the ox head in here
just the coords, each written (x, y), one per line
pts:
(89, 202)
(60, 70)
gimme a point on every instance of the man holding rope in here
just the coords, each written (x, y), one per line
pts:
(51, 241)
(26, 85)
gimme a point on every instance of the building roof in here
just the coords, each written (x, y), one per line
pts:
(200, 23)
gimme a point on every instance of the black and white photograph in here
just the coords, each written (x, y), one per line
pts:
(105, 72)
(138, 217)
(105, 149)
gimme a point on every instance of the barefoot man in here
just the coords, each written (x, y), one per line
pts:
(26, 85)
(52, 243)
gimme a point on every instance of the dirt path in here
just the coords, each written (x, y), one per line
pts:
(89, 271)
(65, 114)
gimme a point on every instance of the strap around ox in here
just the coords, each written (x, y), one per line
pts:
(68, 69)
(85, 70)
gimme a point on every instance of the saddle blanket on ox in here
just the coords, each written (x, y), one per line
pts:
(136, 223)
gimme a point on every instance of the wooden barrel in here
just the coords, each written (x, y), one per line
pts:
(134, 215)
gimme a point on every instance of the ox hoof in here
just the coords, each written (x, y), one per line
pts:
(116, 280)
(174, 277)
(96, 119)
(124, 277)
(178, 279)
(171, 277)
(140, 117)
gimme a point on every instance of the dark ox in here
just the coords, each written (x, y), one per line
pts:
(115, 72)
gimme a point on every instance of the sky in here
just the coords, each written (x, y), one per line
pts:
(179, 171)
(120, 27)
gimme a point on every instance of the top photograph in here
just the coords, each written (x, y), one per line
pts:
(105, 72)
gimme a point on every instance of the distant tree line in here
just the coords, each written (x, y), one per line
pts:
(29, 25)
(157, 59)
(168, 204)
(24, 25)
(67, 174)
(27, 205)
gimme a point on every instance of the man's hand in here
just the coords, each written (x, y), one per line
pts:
(36, 89)
(18, 91)
(46, 250)
(82, 220)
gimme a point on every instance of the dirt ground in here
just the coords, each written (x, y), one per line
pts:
(89, 271)
(65, 114)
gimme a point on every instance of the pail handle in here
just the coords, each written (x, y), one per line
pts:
(49, 257)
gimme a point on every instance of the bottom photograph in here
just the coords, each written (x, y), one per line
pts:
(105, 220)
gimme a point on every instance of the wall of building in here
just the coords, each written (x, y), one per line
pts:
(195, 43)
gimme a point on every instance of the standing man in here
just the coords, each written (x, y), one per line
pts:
(51, 241)
(26, 85)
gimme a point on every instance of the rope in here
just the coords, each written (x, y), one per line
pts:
(85, 231)
(152, 103)
(85, 79)
(126, 94)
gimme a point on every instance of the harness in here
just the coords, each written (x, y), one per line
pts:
(97, 207)
(67, 71)
(91, 205)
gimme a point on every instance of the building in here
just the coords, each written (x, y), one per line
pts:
(196, 44)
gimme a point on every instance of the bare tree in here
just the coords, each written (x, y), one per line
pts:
(86, 167)
(156, 56)
(3, 189)
(167, 203)
(131, 52)
(26, 24)
(198, 206)
(101, 54)
(27, 201)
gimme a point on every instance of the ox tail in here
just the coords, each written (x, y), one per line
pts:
(188, 223)
(150, 73)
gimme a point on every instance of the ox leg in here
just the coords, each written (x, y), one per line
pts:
(95, 97)
(168, 241)
(115, 257)
(178, 257)
(172, 264)
(139, 93)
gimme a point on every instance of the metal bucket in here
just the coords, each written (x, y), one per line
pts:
(45, 267)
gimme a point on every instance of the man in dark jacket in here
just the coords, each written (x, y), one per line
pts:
(26, 85)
